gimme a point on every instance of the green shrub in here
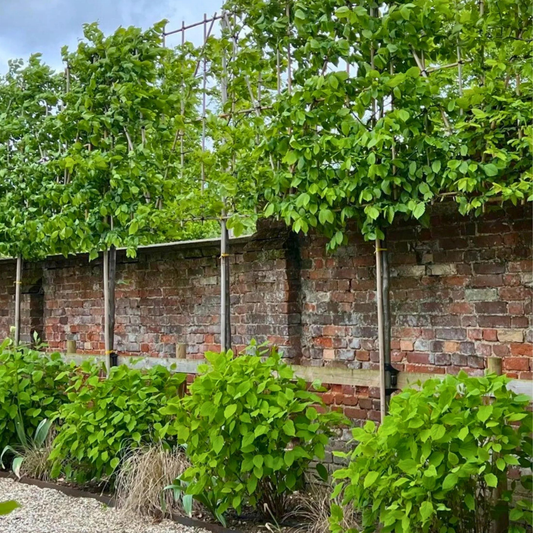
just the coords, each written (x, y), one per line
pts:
(29, 390)
(435, 462)
(108, 417)
(251, 431)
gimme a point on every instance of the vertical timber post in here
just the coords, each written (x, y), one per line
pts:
(109, 267)
(381, 332)
(18, 283)
(391, 374)
(225, 310)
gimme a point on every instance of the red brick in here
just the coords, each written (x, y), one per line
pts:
(426, 369)
(518, 348)
(418, 358)
(355, 413)
(489, 280)
(406, 346)
(362, 355)
(490, 334)
(501, 350)
(516, 363)
(475, 334)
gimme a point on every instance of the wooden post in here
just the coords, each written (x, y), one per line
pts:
(225, 310)
(181, 351)
(387, 335)
(494, 365)
(18, 283)
(381, 336)
(71, 346)
(105, 267)
(501, 523)
(109, 267)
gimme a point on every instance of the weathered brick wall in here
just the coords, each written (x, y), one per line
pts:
(460, 291)
(171, 294)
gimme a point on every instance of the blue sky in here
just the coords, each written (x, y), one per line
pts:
(29, 26)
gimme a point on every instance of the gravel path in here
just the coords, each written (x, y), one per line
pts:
(51, 511)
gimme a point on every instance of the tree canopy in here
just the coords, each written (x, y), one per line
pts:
(314, 111)
(392, 106)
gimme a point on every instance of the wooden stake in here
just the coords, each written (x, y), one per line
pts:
(381, 336)
(71, 346)
(181, 351)
(105, 266)
(387, 334)
(204, 90)
(109, 267)
(18, 283)
(225, 309)
(182, 148)
(289, 59)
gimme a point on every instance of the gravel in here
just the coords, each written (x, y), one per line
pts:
(51, 511)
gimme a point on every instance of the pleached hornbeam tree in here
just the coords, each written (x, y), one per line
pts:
(28, 189)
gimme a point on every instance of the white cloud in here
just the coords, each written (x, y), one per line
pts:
(30, 26)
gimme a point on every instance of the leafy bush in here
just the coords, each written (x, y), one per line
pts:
(436, 461)
(251, 432)
(30, 390)
(108, 417)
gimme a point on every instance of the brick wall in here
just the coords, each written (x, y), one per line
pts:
(460, 291)
(171, 294)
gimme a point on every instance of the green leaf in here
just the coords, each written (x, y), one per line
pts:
(419, 210)
(370, 479)
(491, 480)
(218, 443)
(322, 472)
(8, 506)
(470, 502)
(426, 510)
(230, 411)
(289, 429)
(463, 432)
(484, 413)
(450, 481)
(490, 169)
(134, 227)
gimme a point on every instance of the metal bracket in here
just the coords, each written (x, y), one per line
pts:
(391, 379)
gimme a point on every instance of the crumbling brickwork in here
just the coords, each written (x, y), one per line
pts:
(461, 290)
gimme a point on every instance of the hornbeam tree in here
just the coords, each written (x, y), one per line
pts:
(28, 99)
(118, 126)
(392, 106)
